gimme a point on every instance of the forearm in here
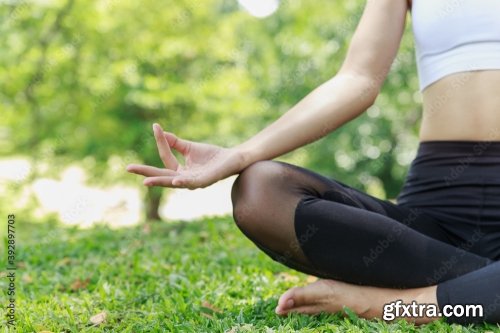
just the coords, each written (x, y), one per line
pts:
(332, 104)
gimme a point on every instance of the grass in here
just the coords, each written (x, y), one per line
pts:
(168, 277)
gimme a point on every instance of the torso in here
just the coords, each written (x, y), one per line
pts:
(463, 106)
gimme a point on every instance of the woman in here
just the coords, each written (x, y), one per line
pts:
(440, 244)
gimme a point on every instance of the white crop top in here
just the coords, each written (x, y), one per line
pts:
(454, 36)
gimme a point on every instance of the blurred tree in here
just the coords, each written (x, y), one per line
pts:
(84, 81)
(91, 83)
(310, 40)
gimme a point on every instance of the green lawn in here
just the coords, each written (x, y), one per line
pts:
(167, 277)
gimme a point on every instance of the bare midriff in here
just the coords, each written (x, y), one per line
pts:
(462, 107)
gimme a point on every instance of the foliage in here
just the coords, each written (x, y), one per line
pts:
(83, 81)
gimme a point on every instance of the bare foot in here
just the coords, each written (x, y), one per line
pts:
(331, 296)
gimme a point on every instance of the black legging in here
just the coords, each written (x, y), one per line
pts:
(325, 228)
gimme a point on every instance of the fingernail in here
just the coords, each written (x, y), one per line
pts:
(289, 303)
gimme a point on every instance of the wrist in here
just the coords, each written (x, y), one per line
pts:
(246, 155)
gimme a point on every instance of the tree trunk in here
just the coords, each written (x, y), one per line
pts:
(152, 203)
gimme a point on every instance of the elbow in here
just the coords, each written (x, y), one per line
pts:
(365, 87)
(369, 89)
(371, 99)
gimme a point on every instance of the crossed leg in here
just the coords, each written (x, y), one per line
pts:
(363, 247)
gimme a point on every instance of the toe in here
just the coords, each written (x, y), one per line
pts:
(313, 293)
(284, 309)
(304, 297)
(308, 309)
(286, 301)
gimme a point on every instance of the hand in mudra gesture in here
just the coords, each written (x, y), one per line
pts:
(204, 165)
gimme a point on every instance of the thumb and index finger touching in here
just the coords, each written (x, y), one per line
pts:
(164, 145)
(165, 140)
(182, 146)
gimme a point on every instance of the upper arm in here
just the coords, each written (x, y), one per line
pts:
(376, 40)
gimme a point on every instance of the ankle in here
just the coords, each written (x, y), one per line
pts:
(426, 295)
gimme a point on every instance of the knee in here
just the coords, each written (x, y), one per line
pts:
(251, 188)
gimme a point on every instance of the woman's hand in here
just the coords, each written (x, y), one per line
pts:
(205, 164)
